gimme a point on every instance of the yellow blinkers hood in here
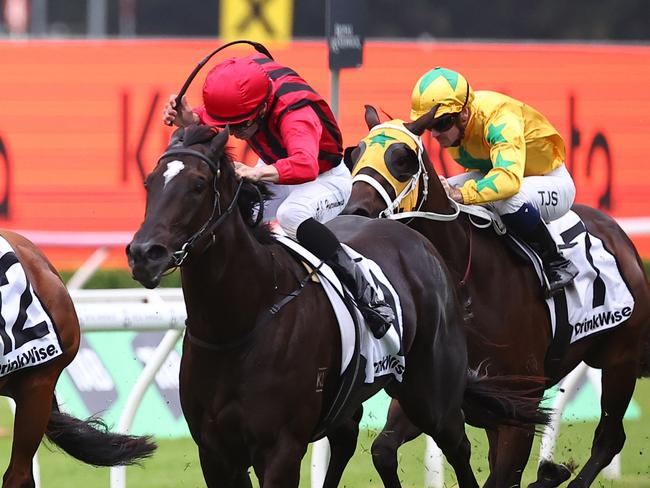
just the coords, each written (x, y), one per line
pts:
(377, 143)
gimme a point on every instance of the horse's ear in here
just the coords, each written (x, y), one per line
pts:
(372, 117)
(219, 142)
(421, 124)
(177, 137)
(347, 157)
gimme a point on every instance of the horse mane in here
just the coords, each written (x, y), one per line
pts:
(249, 195)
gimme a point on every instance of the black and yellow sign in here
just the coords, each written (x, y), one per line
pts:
(262, 20)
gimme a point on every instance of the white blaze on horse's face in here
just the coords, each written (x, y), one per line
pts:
(173, 168)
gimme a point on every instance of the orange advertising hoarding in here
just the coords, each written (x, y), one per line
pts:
(80, 123)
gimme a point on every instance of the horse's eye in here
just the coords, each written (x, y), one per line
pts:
(199, 185)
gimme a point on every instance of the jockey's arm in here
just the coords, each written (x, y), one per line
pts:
(301, 131)
(505, 136)
(264, 172)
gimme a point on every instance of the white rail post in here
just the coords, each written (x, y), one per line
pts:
(320, 459)
(434, 469)
(118, 474)
(87, 269)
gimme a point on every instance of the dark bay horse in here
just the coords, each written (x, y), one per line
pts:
(37, 411)
(257, 377)
(509, 321)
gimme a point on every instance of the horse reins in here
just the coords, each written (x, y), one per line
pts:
(180, 255)
(391, 206)
(208, 228)
(210, 225)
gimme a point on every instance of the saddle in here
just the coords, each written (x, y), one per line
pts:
(596, 301)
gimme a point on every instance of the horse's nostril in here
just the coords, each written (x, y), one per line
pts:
(156, 252)
(135, 251)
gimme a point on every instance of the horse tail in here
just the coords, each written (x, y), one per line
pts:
(90, 441)
(488, 404)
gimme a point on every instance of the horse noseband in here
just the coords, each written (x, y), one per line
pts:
(178, 257)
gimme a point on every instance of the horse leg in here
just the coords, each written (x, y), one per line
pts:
(432, 394)
(493, 443)
(33, 403)
(509, 452)
(617, 388)
(550, 475)
(218, 475)
(343, 442)
(453, 442)
(397, 431)
(445, 423)
(280, 466)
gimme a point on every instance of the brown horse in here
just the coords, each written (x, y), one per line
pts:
(37, 411)
(261, 356)
(509, 322)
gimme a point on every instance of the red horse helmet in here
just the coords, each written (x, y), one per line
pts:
(235, 90)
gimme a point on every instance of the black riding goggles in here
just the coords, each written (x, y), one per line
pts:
(246, 124)
(447, 121)
(242, 126)
(444, 123)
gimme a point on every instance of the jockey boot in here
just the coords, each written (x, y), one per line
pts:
(558, 270)
(377, 312)
(322, 242)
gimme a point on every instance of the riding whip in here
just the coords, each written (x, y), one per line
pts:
(258, 47)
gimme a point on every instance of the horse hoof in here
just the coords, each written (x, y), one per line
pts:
(550, 475)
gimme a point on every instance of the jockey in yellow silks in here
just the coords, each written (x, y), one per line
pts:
(513, 159)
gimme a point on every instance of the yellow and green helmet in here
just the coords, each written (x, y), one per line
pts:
(441, 86)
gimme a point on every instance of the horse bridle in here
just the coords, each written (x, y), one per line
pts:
(393, 205)
(211, 225)
(179, 256)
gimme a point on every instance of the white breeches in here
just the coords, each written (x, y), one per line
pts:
(552, 194)
(321, 199)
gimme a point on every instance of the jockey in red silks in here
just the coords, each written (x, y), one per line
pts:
(513, 159)
(299, 144)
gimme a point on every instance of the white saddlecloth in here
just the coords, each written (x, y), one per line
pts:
(383, 356)
(27, 335)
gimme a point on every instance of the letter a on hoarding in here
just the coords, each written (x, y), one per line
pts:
(261, 20)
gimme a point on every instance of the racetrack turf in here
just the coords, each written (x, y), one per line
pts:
(175, 464)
